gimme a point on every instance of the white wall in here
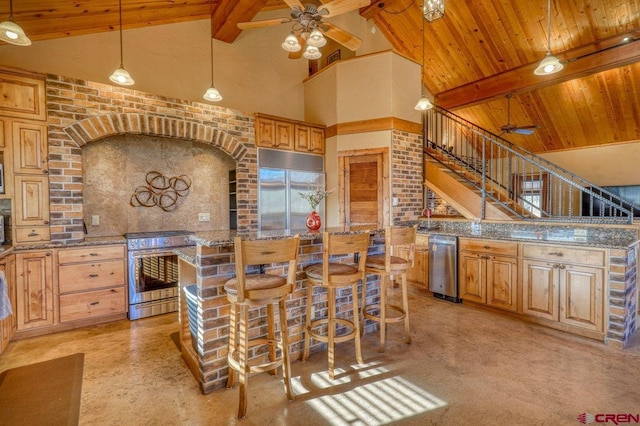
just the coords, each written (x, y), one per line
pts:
(604, 165)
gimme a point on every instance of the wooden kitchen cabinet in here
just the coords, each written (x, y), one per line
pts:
(281, 133)
(564, 284)
(418, 275)
(31, 183)
(309, 139)
(30, 148)
(92, 282)
(8, 325)
(488, 272)
(34, 290)
(272, 133)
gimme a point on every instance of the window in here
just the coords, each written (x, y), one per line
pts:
(531, 192)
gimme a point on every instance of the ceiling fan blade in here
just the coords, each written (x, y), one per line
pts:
(264, 23)
(294, 3)
(532, 126)
(341, 36)
(337, 7)
(523, 131)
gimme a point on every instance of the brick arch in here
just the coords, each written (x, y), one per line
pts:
(102, 126)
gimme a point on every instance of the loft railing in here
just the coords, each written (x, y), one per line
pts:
(526, 185)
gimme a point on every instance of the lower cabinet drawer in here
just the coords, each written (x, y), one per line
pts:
(92, 304)
(33, 234)
(87, 276)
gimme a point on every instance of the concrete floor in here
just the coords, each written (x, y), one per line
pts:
(465, 366)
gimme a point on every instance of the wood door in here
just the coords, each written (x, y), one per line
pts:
(471, 275)
(364, 188)
(581, 296)
(539, 288)
(34, 285)
(502, 282)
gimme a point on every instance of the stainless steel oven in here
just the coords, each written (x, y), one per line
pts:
(153, 271)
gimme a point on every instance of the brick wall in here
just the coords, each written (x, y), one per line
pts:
(406, 176)
(80, 112)
(622, 298)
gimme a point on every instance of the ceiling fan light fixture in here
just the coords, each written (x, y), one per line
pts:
(122, 77)
(423, 104)
(311, 53)
(291, 43)
(433, 9)
(549, 65)
(316, 39)
(12, 33)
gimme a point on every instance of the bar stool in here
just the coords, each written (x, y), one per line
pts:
(386, 265)
(255, 290)
(333, 275)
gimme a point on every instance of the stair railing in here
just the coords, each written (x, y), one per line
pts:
(518, 181)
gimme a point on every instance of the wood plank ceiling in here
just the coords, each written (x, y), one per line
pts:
(479, 52)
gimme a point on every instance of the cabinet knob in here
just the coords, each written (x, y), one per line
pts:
(94, 303)
(46, 172)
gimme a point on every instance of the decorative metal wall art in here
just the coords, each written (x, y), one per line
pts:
(161, 191)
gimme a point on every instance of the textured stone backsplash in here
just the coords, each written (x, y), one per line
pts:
(114, 167)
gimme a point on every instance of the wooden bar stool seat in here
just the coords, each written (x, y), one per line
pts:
(388, 265)
(332, 276)
(247, 291)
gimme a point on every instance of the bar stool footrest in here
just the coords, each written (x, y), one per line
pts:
(338, 339)
(388, 319)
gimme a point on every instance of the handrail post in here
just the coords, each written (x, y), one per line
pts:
(484, 177)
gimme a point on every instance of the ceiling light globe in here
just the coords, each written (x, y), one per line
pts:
(121, 77)
(291, 43)
(311, 53)
(12, 33)
(423, 104)
(316, 39)
(549, 65)
(212, 94)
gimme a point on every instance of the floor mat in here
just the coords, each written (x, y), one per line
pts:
(45, 393)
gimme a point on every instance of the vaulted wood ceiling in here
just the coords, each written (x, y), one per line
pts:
(479, 52)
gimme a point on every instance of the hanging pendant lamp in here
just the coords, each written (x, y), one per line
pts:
(550, 64)
(12, 33)
(121, 76)
(424, 103)
(212, 94)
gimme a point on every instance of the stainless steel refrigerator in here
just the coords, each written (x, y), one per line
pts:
(282, 176)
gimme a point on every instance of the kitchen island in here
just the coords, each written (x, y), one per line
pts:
(211, 263)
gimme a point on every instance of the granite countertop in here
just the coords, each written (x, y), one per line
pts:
(219, 238)
(188, 254)
(566, 237)
(89, 241)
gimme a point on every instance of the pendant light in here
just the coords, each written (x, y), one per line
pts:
(12, 33)
(424, 103)
(121, 76)
(550, 64)
(433, 9)
(212, 93)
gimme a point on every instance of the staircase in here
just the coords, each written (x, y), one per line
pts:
(484, 176)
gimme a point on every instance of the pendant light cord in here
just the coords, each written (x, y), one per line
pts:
(211, 37)
(549, 26)
(121, 54)
(422, 68)
(10, 8)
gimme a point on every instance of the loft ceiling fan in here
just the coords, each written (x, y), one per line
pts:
(309, 28)
(512, 128)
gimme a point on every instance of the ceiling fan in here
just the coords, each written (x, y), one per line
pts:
(512, 128)
(309, 28)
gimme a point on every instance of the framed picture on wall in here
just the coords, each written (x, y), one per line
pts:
(332, 57)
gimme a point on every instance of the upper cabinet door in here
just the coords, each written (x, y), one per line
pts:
(30, 148)
(22, 97)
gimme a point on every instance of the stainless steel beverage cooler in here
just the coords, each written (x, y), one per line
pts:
(443, 267)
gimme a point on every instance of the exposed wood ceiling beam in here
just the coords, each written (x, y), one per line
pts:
(583, 61)
(229, 13)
